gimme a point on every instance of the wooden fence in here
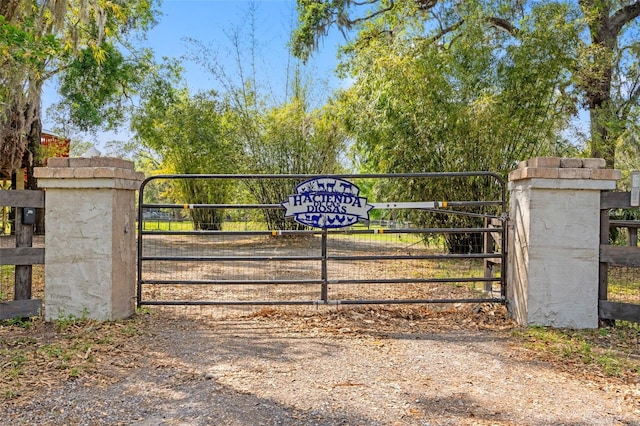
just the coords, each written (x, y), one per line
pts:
(23, 255)
(617, 256)
(493, 244)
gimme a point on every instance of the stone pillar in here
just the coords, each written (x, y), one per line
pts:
(554, 242)
(90, 243)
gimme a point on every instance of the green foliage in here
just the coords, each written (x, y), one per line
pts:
(618, 236)
(607, 348)
(315, 19)
(18, 322)
(439, 107)
(292, 140)
(509, 72)
(237, 131)
(19, 42)
(275, 137)
(192, 135)
(474, 101)
(65, 321)
(97, 91)
(40, 40)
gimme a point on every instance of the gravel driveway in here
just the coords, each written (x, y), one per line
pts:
(357, 367)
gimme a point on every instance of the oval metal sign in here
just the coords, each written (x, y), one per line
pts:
(326, 202)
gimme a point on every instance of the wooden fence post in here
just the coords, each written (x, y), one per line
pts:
(23, 255)
(23, 274)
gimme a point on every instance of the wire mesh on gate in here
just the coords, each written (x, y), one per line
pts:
(7, 272)
(623, 281)
(624, 284)
(432, 252)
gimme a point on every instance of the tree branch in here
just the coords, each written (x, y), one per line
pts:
(624, 16)
(352, 22)
(364, 3)
(443, 32)
(625, 108)
(502, 24)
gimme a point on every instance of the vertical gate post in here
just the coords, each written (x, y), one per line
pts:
(23, 273)
(90, 256)
(554, 240)
(324, 292)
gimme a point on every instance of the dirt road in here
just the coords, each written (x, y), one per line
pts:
(357, 367)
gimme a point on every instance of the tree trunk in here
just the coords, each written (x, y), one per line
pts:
(602, 143)
(605, 26)
(598, 87)
(32, 157)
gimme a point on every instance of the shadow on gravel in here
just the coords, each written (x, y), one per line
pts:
(172, 399)
(356, 367)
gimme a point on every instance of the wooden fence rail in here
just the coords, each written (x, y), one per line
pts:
(23, 255)
(628, 256)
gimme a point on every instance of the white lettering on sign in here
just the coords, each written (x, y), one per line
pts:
(327, 203)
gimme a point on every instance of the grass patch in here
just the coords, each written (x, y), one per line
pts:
(166, 225)
(7, 278)
(610, 351)
(624, 284)
(187, 225)
(388, 236)
(623, 292)
(249, 225)
(45, 354)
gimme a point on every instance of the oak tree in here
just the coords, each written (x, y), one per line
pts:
(600, 38)
(41, 39)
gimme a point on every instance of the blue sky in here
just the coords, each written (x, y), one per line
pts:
(211, 22)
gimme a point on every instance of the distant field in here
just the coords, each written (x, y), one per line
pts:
(187, 225)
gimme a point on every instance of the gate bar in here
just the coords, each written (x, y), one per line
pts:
(376, 206)
(232, 258)
(333, 232)
(235, 282)
(312, 302)
(315, 258)
(324, 281)
(331, 281)
(324, 291)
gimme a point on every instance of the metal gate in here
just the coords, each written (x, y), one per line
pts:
(321, 240)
